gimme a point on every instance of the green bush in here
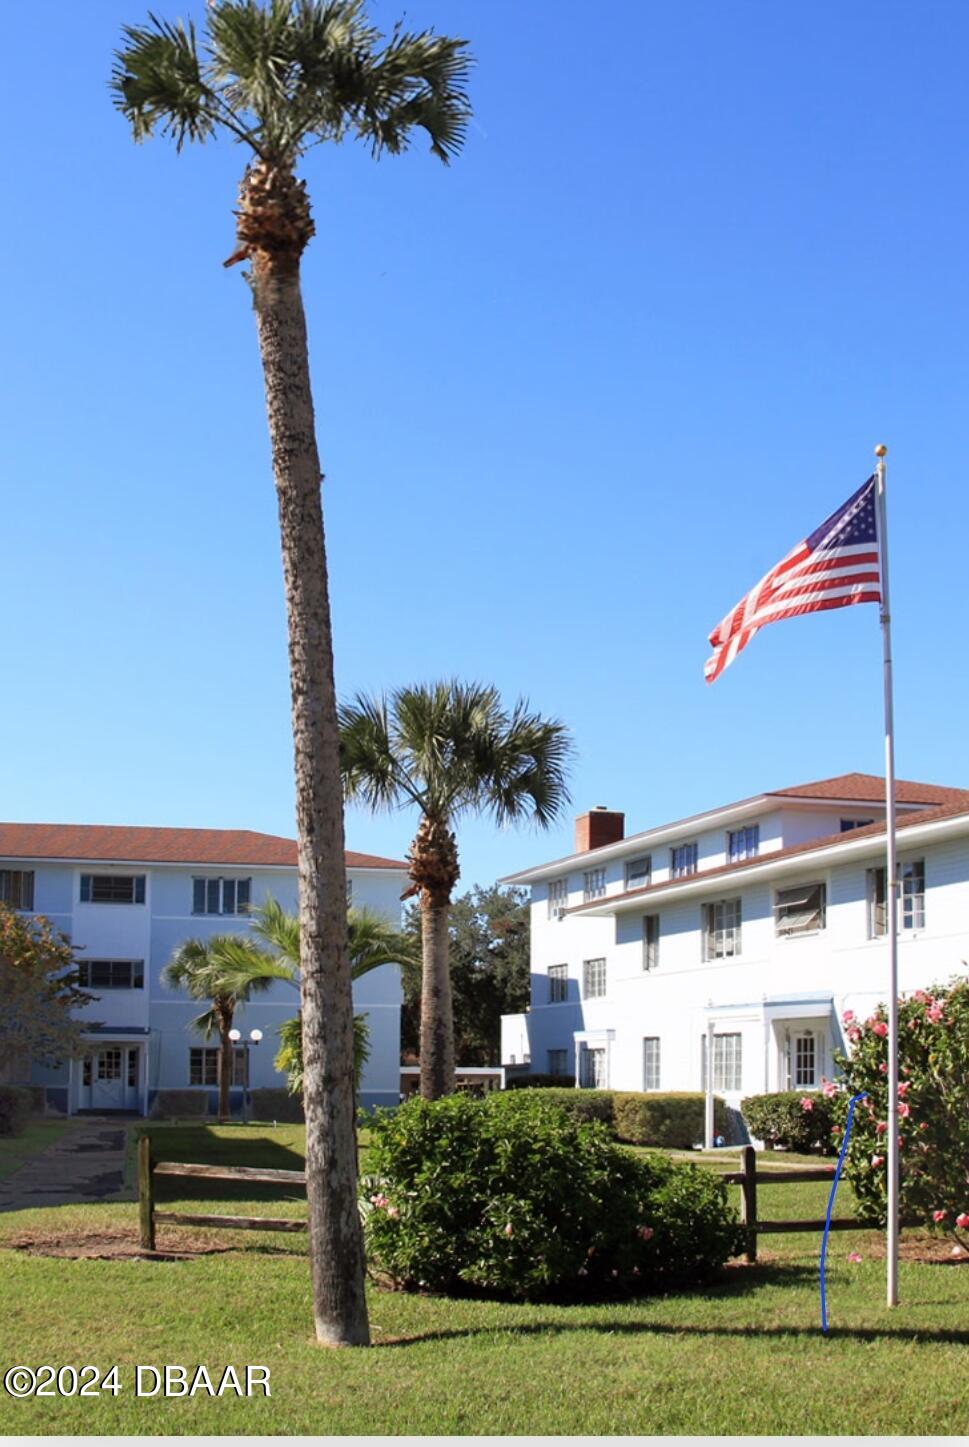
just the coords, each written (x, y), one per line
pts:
(515, 1197)
(16, 1102)
(780, 1119)
(519, 1082)
(582, 1105)
(276, 1103)
(179, 1104)
(674, 1119)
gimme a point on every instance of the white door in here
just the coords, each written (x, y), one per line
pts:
(109, 1078)
(805, 1057)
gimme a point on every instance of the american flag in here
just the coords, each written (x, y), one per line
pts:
(834, 567)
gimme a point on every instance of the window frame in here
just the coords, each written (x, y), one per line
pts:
(561, 1052)
(804, 1034)
(721, 1062)
(588, 1053)
(209, 1055)
(14, 885)
(717, 938)
(594, 972)
(593, 884)
(558, 984)
(911, 902)
(557, 901)
(651, 931)
(738, 855)
(691, 851)
(652, 1068)
(136, 972)
(821, 912)
(220, 881)
(646, 874)
(845, 826)
(139, 888)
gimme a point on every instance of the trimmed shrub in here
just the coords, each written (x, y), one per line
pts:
(674, 1119)
(276, 1103)
(519, 1082)
(582, 1105)
(780, 1119)
(177, 1104)
(513, 1196)
(16, 1102)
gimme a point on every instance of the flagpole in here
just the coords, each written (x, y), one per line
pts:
(891, 891)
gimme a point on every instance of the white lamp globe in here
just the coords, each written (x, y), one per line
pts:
(255, 1036)
(235, 1036)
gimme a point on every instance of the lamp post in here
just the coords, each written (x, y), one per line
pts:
(254, 1038)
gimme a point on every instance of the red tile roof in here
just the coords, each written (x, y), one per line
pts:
(127, 844)
(770, 856)
(870, 789)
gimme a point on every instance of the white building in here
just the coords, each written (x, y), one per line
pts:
(127, 898)
(766, 917)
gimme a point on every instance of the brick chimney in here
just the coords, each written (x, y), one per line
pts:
(600, 826)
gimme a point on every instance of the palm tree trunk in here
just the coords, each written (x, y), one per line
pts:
(335, 1236)
(225, 1067)
(437, 1016)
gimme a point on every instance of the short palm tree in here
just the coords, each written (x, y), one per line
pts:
(449, 748)
(280, 77)
(224, 970)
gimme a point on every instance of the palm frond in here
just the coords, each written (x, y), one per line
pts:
(157, 81)
(278, 931)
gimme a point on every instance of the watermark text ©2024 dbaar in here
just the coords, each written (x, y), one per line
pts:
(143, 1380)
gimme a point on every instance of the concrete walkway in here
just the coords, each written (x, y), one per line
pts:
(85, 1164)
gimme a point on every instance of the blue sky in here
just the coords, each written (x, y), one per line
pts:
(575, 395)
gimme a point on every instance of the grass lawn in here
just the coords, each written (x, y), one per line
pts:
(742, 1356)
(16, 1149)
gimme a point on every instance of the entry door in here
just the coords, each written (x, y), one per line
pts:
(111, 1076)
(805, 1047)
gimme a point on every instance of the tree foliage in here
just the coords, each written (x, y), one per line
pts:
(489, 931)
(933, 1108)
(39, 990)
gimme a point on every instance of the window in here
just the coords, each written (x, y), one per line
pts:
(593, 978)
(349, 893)
(877, 902)
(558, 984)
(799, 911)
(109, 1064)
(86, 1070)
(721, 929)
(805, 1059)
(558, 897)
(639, 872)
(912, 877)
(558, 1062)
(593, 884)
(111, 974)
(683, 860)
(221, 896)
(592, 1069)
(743, 843)
(847, 824)
(912, 912)
(203, 1066)
(650, 941)
(112, 889)
(17, 888)
(727, 1062)
(132, 1069)
(651, 1062)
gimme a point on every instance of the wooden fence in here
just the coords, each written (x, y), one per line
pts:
(749, 1178)
(149, 1215)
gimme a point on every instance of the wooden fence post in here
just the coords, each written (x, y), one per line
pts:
(748, 1201)
(146, 1198)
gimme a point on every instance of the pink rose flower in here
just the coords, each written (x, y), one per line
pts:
(962, 1221)
(393, 1212)
(509, 1229)
(923, 1125)
(848, 1016)
(883, 1068)
(380, 1201)
(829, 1089)
(807, 1103)
(903, 1085)
(904, 1109)
(938, 1216)
(880, 1028)
(854, 1036)
(881, 1127)
(934, 1013)
(878, 1160)
(645, 1232)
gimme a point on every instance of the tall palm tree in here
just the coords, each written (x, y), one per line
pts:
(449, 748)
(280, 77)
(224, 969)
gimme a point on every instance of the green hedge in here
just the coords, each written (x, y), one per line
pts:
(16, 1103)
(521, 1082)
(276, 1103)
(582, 1104)
(780, 1119)
(513, 1196)
(674, 1119)
(180, 1104)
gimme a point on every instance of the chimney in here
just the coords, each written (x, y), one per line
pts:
(600, 826)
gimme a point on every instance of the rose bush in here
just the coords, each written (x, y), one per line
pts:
(933, 1109)
(515, 1197)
